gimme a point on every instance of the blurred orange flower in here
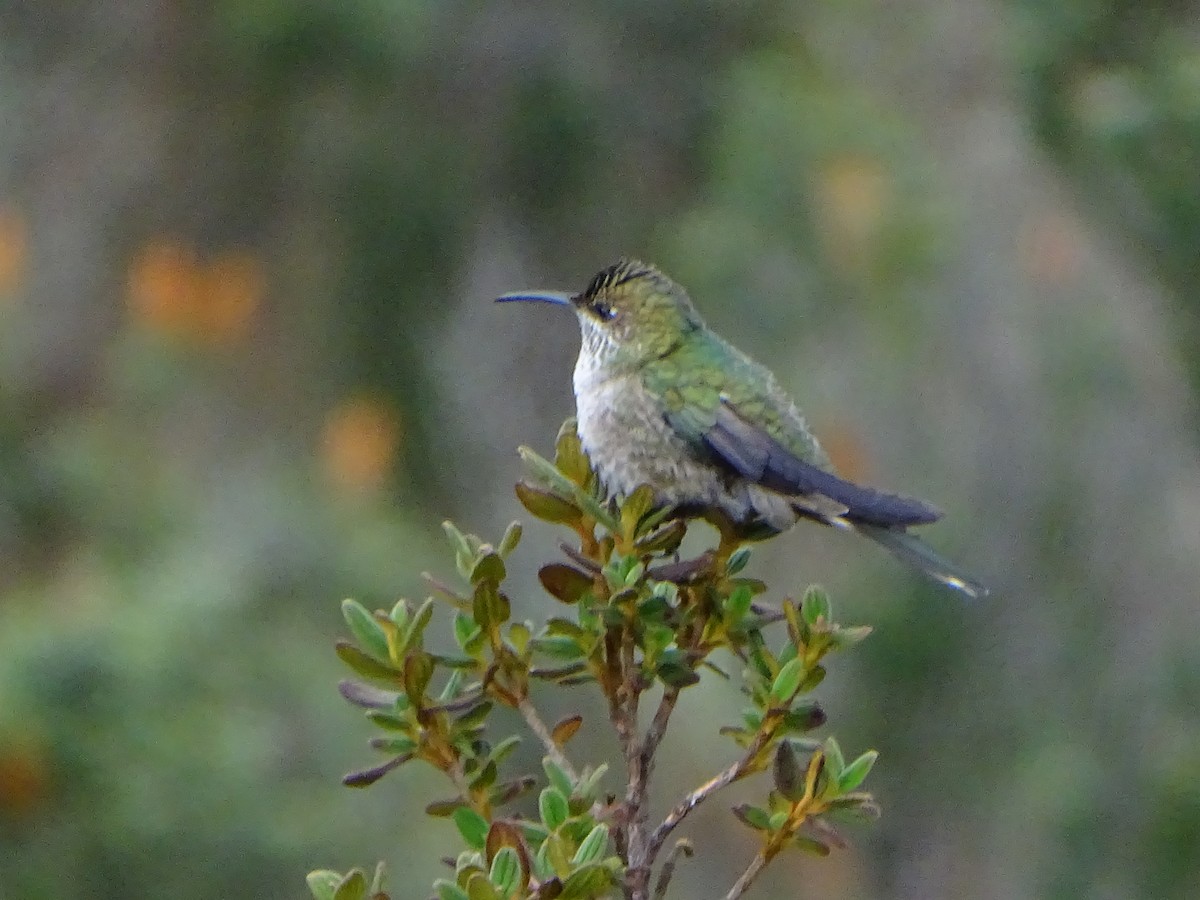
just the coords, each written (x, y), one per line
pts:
(14, 249)
(853, 194)
(360, 442)
(161, 286)
(24, 779)
(172, 291)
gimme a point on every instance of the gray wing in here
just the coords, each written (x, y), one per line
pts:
(756, 456)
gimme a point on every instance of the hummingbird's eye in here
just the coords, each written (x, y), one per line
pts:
(604, 313)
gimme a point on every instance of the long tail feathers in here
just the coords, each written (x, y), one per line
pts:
(918, 554)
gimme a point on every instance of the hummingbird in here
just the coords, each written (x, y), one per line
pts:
(663, 400)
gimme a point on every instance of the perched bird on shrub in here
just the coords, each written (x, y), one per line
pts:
(662, 400)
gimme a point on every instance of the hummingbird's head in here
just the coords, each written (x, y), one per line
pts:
(629, 311)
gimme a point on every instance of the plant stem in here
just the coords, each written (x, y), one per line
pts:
(752, 871)
(640, 763)
(681, 848)
(731, 774)
(658, 727)
(637, 772)
(538, 727)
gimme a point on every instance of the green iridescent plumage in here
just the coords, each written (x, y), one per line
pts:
(703, 371)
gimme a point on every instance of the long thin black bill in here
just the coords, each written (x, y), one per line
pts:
(556, 297)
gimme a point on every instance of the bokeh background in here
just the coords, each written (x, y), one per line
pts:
(248, 364)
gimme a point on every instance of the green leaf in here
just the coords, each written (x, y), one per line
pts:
(465, 628)
(458, 664)
(453, 685)
(634, 509)
(737, 560)
(519, 636)
(364, 665)
(587, 883)
(589, 783)
(815, 606)
(506, 746)
(563, 582)
(633, 575)
(674, 673)
(854, 774)
(507, 834)
(415, 633)
(512, 537)
(808, 844)
(815, 676)
(448, 890)
(464, 554)
(653, 611)
(569, 457)
(418, 669)
(656, 639)
(505, 873)
(472, 826)
(490, 567)
(400, 613)
(468, 862)
(474, 716)
(757, 585)
(761, 657)
(558, 647)
(365, 629)
(564, 628)
(754, 816)
(592, 848)
(547, 506)
(352, 887)
(481, 606)
(542, 867)
(397, 746)
(389, 721)
(561, 484)
(486, 777)
(665, 540)
(499, 609)
(553, 807)
(474, 647)
(322, 883)
(804, 717)
(788, 653)
(479, 887)
(787, 682)
(556, 854)
(796, 626)
(443, 809)
(857, 804)
(835, 763)
(737, 604)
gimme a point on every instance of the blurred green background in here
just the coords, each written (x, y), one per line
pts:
(248, 364)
